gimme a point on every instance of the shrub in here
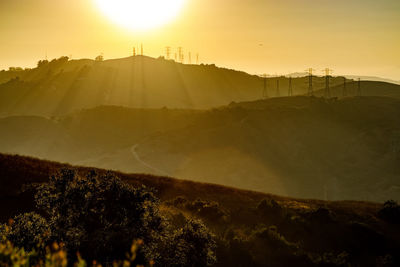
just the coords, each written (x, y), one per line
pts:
(390, 211)
(100, 216)
(28, 230)
(192, 245)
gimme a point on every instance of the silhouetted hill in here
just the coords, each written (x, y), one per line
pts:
(251, 228)
(368, 88)
(62, 86)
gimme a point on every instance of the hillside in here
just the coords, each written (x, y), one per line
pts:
(250, 227)
(294, 146)
(62, 86)
(368, 88)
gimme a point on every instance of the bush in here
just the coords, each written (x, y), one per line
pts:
(390, 211)
(193, 245)
(28, 230)
(100, 216)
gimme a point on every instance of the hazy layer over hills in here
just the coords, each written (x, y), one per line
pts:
(62, 86)
(204, 123)
(297, 146)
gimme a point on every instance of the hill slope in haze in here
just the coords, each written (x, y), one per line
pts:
(251, 228)
(62, 86)
(295, 146)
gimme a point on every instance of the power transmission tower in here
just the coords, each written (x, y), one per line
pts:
(167, 52)
(327, 91)
(344, 87)
(180, 54)
(265, 91)
(197, 58)
(310, 82)
(359, 87)
(290, 92)
(190, 58)
(277, 88)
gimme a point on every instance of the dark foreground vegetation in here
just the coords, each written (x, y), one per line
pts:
(142, 219)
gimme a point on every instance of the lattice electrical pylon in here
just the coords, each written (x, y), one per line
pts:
(310, 82)
(290, 91)
(327, 91)
(278, 93)
(167, 52)
(265, 91)
(180, 54)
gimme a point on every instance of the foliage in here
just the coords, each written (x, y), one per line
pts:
(390, 211)
(99, 58)
(192, 245)
(56, 256)
(28, 230)
(100, 216)
(42, 63)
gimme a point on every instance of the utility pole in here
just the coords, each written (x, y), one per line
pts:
(197, 58)
(167, 52)
(327, 92)
(134, 51)
(310, 82)
(290, 92)
(265, 91)
(141, 49)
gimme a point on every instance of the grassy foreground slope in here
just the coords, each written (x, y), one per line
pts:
(251, 228)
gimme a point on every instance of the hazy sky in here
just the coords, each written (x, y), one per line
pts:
(360, 37)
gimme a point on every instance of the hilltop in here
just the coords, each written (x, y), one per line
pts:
(251, 228)
(61, 86)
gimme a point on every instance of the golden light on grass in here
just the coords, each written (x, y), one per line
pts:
(140, 15)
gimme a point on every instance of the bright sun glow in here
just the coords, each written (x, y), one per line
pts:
(140, 14)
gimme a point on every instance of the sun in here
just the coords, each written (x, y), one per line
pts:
(140, 14)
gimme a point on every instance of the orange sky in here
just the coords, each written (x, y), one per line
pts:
(360, 37)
